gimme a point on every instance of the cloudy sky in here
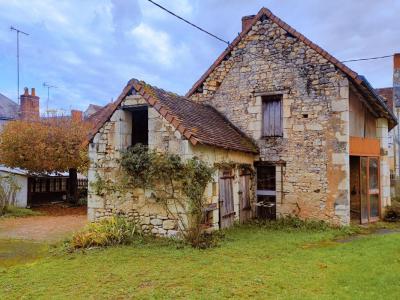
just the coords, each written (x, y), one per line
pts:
(90, 49)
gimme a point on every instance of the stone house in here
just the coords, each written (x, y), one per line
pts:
(303, 134)
(391, 96)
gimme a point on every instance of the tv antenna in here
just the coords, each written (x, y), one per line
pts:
(12, 28)
(48, 86)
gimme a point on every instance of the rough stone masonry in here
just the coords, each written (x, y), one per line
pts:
(315, 141)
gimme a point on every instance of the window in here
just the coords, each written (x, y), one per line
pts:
(140, 132)
(63, 184)
(272, 115)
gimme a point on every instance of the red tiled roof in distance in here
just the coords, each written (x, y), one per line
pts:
(387, 95)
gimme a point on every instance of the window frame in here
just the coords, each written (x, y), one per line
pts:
(268, 98)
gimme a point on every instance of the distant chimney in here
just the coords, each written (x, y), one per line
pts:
(29, 106)
(396, 79)
(246, 21)
(76, 115)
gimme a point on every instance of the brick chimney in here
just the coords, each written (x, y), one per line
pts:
(246, 21)
(396, 79)
(76, 115)
(29, 108)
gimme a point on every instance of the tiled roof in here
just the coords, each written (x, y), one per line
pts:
(91, 109)
(196, 122)
(387, 95)
(358, 80)
(8, 108)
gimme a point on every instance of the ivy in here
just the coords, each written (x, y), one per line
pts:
(177, 184)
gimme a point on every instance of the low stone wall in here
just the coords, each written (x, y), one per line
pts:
(154, 224)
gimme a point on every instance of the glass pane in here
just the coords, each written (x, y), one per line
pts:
(374, 205)
(266, 178)
(364, 190)
(373, 176)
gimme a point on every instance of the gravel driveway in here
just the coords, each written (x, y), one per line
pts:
(55, 225)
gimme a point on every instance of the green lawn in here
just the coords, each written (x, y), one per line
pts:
(18, 212)
(250, 263)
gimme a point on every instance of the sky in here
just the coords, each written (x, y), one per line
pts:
(90, 49)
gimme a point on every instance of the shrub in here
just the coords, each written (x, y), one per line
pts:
(107, 232)
(178, 185)
(205, 240)
(294, 223)
(12, 211)
(8, 191)
(392, 213)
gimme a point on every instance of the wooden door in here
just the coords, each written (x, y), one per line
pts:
(244, 196)
(226, 205)
(370, 190)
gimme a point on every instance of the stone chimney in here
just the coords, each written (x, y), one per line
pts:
(29, 108)
(246, 21)
(396, 79)
(76, 115)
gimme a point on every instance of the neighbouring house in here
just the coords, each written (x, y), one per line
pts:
(8, 110)
(291, 130)
(37, 189)
(92, 108)
(391, 96)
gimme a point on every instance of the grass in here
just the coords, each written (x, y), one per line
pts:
(252, 262)
(17, 212)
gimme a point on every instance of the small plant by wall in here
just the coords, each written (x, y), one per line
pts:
(107, 232)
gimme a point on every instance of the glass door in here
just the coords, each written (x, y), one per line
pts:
(373, 192)
(369, 189)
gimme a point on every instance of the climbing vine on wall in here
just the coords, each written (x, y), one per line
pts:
(177, 184)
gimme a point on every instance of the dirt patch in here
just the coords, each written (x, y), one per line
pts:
(61, 210)
(381, 231)
(49, 228)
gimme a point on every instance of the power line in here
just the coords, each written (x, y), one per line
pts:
(188, 22)
(253, 54)
(18, 32)
(369, 58)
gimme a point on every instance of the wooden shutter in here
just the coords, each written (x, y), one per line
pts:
(245, 190)
(272, 115)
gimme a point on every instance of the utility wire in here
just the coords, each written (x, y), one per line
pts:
(369, 58)
(252, 54)
(188, 22)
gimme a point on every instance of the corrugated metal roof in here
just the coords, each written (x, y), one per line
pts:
(8, 108)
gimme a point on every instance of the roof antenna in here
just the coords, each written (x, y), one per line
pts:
(48, 86)
(18, 32)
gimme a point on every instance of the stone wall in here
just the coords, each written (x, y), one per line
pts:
(138, 204)
(315, 141)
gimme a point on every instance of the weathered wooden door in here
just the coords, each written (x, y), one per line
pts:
(244, 196)
(226, 205)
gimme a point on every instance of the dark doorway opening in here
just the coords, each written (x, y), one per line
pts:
(140, 130)
(266, 192)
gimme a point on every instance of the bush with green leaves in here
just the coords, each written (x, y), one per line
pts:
(175, 183)
(8, 192)
(107, 232)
